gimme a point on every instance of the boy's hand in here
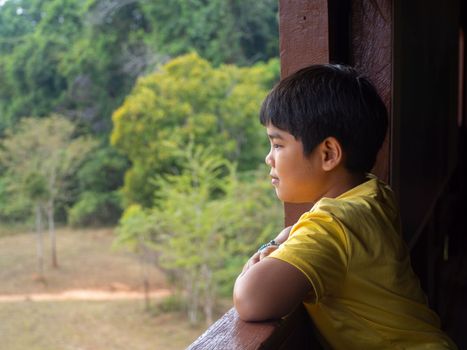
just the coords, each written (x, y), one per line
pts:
(253, 260)
(258, 256)
(266, 251)
(283, 235)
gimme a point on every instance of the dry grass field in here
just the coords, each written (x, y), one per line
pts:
(90, 325)
(87, 263)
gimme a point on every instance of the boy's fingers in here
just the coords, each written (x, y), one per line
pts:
(266, 251)
(253, 260)
(258, 256)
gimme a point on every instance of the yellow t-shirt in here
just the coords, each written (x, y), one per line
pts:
(366, 295)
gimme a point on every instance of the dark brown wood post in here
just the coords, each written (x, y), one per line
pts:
(303, 27)
(371, 53)
(426, 63)
(304, 40)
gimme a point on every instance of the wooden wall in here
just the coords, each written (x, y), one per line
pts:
(351, 32)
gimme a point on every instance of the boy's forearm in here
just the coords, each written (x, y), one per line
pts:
(270, 289)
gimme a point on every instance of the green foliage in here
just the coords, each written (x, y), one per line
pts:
(35, 186)
(81, 58)
(135, 226)
(33, 84)
(67, 58)
(188, 100)
(104, 61)
(172, 303)
(101, 171)
(14, 207)
(40, 155)
(98, 180)
(241, 32)
(17, 19)
(95, 209)
(206, 223)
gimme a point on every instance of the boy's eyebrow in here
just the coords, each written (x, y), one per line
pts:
(275, 135)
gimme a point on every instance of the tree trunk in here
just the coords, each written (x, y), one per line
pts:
(193, 298)
(53, 245)
(145, 260)
(39, 242)
(208, 295)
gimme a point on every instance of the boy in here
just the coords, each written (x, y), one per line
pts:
(345, 259)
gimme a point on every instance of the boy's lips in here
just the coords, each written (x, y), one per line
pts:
(274, 179)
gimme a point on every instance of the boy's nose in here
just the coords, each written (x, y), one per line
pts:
(268, 160)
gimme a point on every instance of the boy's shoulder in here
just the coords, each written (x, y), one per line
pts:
(371, 201)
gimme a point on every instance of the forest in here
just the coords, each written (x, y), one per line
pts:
(141, 115)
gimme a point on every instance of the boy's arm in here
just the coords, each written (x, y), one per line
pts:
(269, 289)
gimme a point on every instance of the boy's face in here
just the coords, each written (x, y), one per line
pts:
(296, 177)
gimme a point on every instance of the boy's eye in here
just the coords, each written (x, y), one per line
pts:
(275, 145)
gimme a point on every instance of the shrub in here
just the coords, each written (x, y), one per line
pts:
(95, 209)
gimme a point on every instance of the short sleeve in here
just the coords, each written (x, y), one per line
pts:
(318, 247)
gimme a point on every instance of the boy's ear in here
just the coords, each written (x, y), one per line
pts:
(331, 153)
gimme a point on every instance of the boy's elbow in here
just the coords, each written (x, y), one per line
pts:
(249, 309)
(246, 309)
(269, 290)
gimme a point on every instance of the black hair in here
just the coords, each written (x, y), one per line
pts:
(330, 100)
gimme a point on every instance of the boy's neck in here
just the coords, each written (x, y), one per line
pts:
(342, 181)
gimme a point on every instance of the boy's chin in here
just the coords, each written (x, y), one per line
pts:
(292, 199)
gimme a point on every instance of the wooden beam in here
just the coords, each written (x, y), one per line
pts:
(304, 32)
(371, 53)
(304, 40)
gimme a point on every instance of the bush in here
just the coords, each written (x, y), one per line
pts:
(172, 303)
(95, 209)
(14, 207)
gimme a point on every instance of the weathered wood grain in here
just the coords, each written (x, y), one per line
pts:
(231, 333)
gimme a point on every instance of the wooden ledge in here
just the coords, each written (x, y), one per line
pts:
(230, 333)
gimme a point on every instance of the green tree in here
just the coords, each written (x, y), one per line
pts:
(136, 231)
(190, 100)
(41, 154)
(60, 56)
(32, 82)
(35, 188)
(98, 181)
(80, 58)
(240, 32)
(14, 207)
(17, 19)
(204, 226)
